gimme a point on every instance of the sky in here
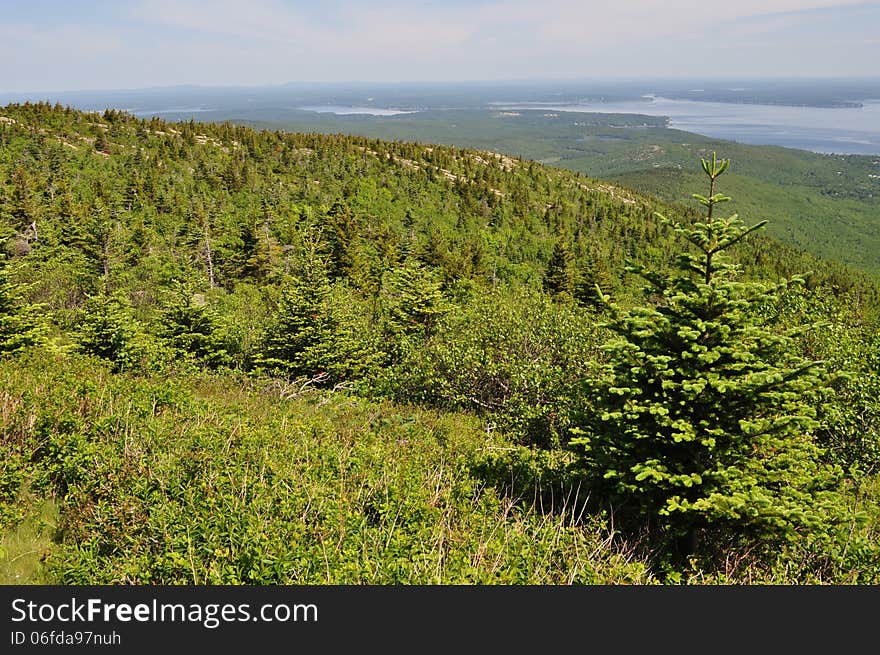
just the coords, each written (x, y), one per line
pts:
(60, 45)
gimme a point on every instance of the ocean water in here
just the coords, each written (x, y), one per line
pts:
(344, 110)
(839, 130)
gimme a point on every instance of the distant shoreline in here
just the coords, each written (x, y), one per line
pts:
(774, 103)
(855, 130)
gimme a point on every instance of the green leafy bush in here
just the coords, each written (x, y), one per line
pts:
(209, 480)
(514, 358)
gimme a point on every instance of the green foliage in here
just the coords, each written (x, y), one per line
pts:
(514, 358)
(24, 548)
(216, 481)
(20, 325)
(190, 328)
(300, 340)
(423, 284)
(801, 190)
(241, 319)
(262, 253)
(412, 299)
(109, 330)
(102, 145)
(850, 429)
(559, 280)
(704, 416)
(341, 230)
(593, 282)
(849, 345)
(312, 335)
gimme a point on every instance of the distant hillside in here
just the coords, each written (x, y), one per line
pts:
(825, 204)
(236, 356)
(142, 206)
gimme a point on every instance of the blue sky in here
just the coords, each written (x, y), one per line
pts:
(53, 45)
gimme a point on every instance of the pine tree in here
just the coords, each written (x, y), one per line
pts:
(24, 201)
(190, 329)
(308, 336)
(19, 323)
(262, 252)
(101, 142)
(559, 279)
(108, 330)
(594, 280)
(703, 418)
(413, 299)
(340, 228)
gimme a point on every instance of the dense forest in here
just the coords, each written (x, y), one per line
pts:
(822, 203)
(240, 356)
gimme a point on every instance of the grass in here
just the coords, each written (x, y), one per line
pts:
(24, 548)
(196, 479)
(219, 481)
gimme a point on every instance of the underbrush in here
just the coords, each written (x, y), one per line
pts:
(217, 480)
(110, 478)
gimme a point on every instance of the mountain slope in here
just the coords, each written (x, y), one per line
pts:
(263, 357)
(828, 205)
(187, 189)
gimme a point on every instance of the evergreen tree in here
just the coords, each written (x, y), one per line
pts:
(559, 279)
(190, 329)
(101, 142)
(109, 330)
(593, 281)
(703, 418)
(308, 337)
(263, 254)
(19, 324)
(413, 299)
(24, 202)
(341, 233)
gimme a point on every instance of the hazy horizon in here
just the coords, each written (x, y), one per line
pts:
(343, 84)
(147, 44)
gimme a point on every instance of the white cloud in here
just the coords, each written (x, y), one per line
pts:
(480, 37)
(260, 19)
(269, 41)
(367, 26)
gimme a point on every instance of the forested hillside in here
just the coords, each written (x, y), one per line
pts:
(827, 205)
(234, 356)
